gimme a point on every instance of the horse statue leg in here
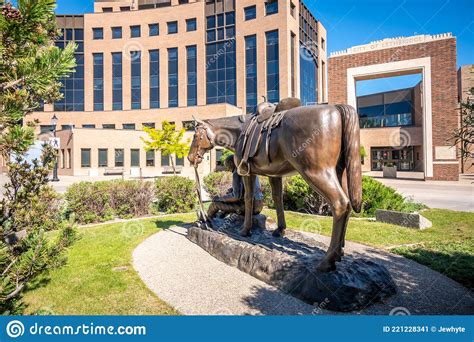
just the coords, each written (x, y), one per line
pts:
(249, 185)
(326, 183)
(277, 194)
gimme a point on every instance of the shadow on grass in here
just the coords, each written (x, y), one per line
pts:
(455, 265)
(167, 224)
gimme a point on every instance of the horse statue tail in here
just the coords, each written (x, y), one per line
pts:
(351, 150)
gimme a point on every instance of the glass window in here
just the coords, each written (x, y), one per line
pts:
(191, 25)
(108, 126)
(251, 73)
(85, 157)
(103, 158)
(179, 161)
(46, 129)
(119, 157)
(271, 7)
(250, 12)
(189, 126)
(136, 74)
(165, 160)
(128, 126)
(98, 74)
(154, 79)
(173, 95)
(221, 61)
(154, 29)
(308, 77)
(211, 22)
(98, 33)
(107, 9)
(172, 27)
(88, 126)
(150, 158)
(117, 103)
(273, 68)
(135, 31)
(191, 56)
(149, 124)
(134, 157)
(116, 32)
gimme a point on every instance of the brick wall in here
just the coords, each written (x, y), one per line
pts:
(444, 85)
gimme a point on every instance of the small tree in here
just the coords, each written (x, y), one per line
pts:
(464, 135)
(168, 141)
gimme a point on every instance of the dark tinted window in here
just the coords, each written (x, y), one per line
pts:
(119, 157)
(271, 7)
(191, 25)
(98, 33)
(134, 157)
(250, 12)
(172, 27)
(154, 29)
(135, 31)
(116, 32)
(103, 158)
(85, 157)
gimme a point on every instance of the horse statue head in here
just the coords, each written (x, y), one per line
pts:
(203, 141)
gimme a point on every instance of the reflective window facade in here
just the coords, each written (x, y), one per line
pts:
(136, 73)
(191, 65)
(251, 73)
(308, 77)
(154, 79)
(273, 67)
(117, 102)
(72, 86)
(98, 81)
(173, 93)
(221, 59)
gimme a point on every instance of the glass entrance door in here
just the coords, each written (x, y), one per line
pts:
(402, 158)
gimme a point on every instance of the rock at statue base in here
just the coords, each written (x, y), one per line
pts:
(289, 264)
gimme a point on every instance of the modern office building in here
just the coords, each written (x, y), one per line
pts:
(140, 62)
(416, 139)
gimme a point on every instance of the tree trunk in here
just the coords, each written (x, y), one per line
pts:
(172, 165)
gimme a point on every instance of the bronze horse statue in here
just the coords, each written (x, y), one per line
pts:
(319, 142)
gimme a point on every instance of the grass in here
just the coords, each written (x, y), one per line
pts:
(447, 247)
(99, 278)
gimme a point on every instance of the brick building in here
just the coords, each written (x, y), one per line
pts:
(465, 85)
(432, 56)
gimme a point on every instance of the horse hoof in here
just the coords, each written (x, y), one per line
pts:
(278, 233)
(326, 266)
(245, 232)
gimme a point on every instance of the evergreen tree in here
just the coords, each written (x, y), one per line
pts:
(31, 67)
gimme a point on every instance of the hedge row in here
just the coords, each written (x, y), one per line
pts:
(299, 196)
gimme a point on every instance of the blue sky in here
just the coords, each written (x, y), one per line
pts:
(361, 21)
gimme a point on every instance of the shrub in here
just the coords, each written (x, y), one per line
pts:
(89, 202)
(93, 202)
(131, 198)
(217, 183)
(175, 195)
(376, 195)
(299, 196)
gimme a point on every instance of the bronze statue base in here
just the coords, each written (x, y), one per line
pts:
(289, 264)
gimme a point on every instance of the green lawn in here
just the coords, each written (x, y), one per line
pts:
(99, 277)
(447, 247)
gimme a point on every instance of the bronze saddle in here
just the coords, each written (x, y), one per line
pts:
(256, 126)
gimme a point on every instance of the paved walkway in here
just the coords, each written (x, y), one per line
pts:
(188, 278)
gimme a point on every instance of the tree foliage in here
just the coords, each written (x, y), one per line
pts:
(168, 140)
(31, 68)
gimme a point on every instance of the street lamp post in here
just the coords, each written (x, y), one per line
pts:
(54, 122)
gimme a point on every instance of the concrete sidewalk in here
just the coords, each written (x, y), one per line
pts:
(191, 280)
